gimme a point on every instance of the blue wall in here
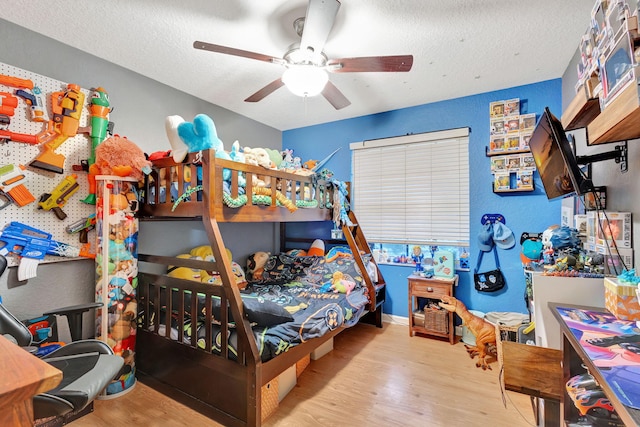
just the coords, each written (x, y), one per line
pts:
(523, 212)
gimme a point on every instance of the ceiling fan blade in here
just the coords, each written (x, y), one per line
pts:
(335, 97)
(321, 14)
(236, 52)
(397, 63)
(267, 90)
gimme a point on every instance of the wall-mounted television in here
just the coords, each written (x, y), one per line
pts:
(555, 159)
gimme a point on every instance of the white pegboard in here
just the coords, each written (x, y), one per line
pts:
(40, 181)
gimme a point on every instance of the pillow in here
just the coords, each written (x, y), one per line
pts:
(258, 310)
(264, 312)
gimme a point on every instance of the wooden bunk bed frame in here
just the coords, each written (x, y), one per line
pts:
(225, 386)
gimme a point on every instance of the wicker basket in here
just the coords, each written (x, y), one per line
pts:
(436, 320)
(269, 398)
(302, 364)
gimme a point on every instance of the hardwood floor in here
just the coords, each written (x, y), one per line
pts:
(375, 377)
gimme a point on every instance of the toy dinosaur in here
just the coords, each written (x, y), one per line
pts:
(484, 331)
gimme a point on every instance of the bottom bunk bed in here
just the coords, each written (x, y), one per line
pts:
(181, 344)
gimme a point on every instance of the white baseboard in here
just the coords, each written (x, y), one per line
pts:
(396, 320)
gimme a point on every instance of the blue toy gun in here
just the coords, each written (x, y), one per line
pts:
(32, 245)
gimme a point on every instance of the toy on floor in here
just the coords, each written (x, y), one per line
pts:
(484, 331)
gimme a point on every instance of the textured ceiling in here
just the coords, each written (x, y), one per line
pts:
(460, 47)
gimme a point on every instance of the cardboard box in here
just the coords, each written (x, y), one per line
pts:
(621, 299)
(614, 226)
(591, 227)
(322, 350)
(615, 260)
(286, 382)
(580, 224)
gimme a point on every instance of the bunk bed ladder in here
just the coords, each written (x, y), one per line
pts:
(354, 236)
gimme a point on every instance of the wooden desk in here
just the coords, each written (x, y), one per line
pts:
(576, 358)
(22, 376)
(432, 288)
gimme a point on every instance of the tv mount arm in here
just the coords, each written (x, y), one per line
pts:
(619, 154)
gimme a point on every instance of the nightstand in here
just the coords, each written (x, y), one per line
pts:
(439, 322)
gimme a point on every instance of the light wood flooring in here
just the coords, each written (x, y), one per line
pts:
(373, 377)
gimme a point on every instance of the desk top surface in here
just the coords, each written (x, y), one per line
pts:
(610, 349)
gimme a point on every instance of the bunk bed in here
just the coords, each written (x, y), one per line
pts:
(225, 378)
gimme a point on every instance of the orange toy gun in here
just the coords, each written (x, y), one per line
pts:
(67, 109)
(12, 187)
(15, 82)
(8, 103)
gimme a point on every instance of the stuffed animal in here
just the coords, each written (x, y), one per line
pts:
(317, 248)
(185, 272)
(179, 149)
(202, 135)
(237, 156)
(341, 283)
(258, 157)
(118, 156)
(256, 263)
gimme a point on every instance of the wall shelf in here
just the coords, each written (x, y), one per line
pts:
(503, 152)
(581, 111)
(619, 121)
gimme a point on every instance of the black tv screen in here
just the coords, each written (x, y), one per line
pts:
(555, 160)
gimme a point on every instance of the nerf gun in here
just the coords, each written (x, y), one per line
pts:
(8, 104)
(67, 109)
(100, 126)
(82, 226)
(55, 200)
(12, 187)
(35, 102)
(32, 245)
(15, 82)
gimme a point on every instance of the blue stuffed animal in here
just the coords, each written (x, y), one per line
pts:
(201, 135)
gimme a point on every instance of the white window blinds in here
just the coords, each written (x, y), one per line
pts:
(413, 189)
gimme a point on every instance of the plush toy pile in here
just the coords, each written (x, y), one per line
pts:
(205, 253)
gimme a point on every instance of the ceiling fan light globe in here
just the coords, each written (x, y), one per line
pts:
(305, 80)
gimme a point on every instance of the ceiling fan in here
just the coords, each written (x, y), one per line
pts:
(307, 65)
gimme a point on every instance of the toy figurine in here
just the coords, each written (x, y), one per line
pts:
(417, 257)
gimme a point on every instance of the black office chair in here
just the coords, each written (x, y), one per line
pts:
(87, 366)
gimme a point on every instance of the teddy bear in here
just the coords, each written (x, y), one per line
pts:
(258, 157)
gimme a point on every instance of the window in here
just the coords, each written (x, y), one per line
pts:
(414, 189)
